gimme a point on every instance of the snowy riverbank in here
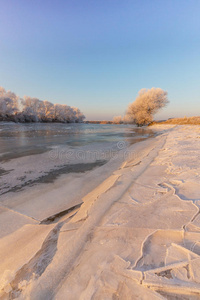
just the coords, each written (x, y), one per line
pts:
(136, 235)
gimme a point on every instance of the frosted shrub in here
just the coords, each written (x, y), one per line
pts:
(148, 103)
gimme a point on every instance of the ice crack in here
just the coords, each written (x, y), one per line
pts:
(37, 265)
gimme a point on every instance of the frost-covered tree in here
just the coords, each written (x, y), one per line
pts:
(49, 111)
(148, 103)
(118, 120)
(78, 116)
(9, 105)
(59, 113)
(30, 109)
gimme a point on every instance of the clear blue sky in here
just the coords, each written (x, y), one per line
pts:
(97, 54)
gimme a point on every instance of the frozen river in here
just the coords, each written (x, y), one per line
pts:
(17, 140)
(55, 165)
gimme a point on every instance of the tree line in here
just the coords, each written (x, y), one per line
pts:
(28, 109)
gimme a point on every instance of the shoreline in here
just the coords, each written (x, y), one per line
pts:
(136, 229)
(52, 175)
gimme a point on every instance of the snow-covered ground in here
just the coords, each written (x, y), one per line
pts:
(135, 235)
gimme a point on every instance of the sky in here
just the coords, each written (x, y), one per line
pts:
(97, 54)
